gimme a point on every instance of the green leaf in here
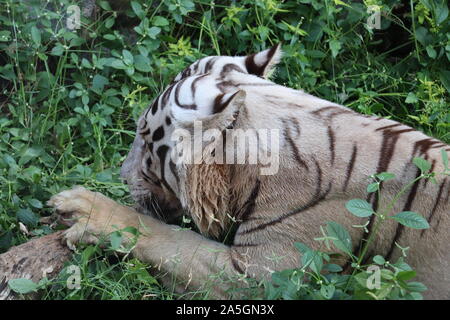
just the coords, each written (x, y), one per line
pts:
(116, 240)
(342, 240)
(313, 260)
(99, 82)
(440, 11)
(28, 155)
(131, 230)
(416, 286)
(406, 275)
(35, 203)
(22, 285)
(444, 75)
(6, 240)
(444, 158)
(27, 217)
(411, 219)
(57, 50)
(372, 187)
(331, 267)
(387, 274)
(105, 5)
(431, 52)
(153, 32)
(106, 175)
(5, 36)
(36, 35)
(118, 64)
(379, 260)
(335, 46)
(159, 21)
(416, 296)
(301, 247)
(411, 98)
(359, 208)
(137, 8)
(127, 57)
(87, 254)
(142, 63)
(109, 22)
(422, 164)
(384, 176)
(109, 37)
(327, 291)
(86, 64)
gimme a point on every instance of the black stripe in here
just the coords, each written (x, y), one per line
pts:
(350, 167)
(150, 179)
(210, 64)
(145, 132)
(388, 145)
(319, 111)
(331, 140)
(317, 198)
(230, 67)
(251, 66)
(3, 284)
(248, 207)
(194, 83)
(155, 106)
(436, 204)
(388, 127)
(236, 265)
(294, 148)
(219, 105)
(158, 134)
(257, 84)
(244, 245)
(173, 169)
(407, 207)
(421, 147)
(162, 152)
(192, 106)
(166, 95)
(258, 70)
(372, 198)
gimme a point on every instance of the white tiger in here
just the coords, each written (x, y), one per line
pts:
(327, 152)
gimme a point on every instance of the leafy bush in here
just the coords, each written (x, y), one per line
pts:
(69, 98)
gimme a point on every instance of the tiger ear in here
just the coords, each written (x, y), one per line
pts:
(262, 64)
(225, 111)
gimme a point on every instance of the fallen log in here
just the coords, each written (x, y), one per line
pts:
(34, 260)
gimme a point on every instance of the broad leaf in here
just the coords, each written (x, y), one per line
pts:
(359, 208)
(422, 164)
(22, 285)
(342, 239)
(411, 219)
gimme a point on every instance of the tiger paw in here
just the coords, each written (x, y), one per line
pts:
(89, 215)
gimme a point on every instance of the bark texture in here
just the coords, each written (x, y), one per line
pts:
(35, 259)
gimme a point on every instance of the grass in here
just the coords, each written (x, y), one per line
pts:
(69, 99)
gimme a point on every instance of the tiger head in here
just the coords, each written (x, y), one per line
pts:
(200, 92)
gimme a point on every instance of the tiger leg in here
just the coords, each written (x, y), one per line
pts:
(182, 255)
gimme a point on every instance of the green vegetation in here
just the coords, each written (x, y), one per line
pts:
(69, 98)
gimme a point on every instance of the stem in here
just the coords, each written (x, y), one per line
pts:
(378, 223)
